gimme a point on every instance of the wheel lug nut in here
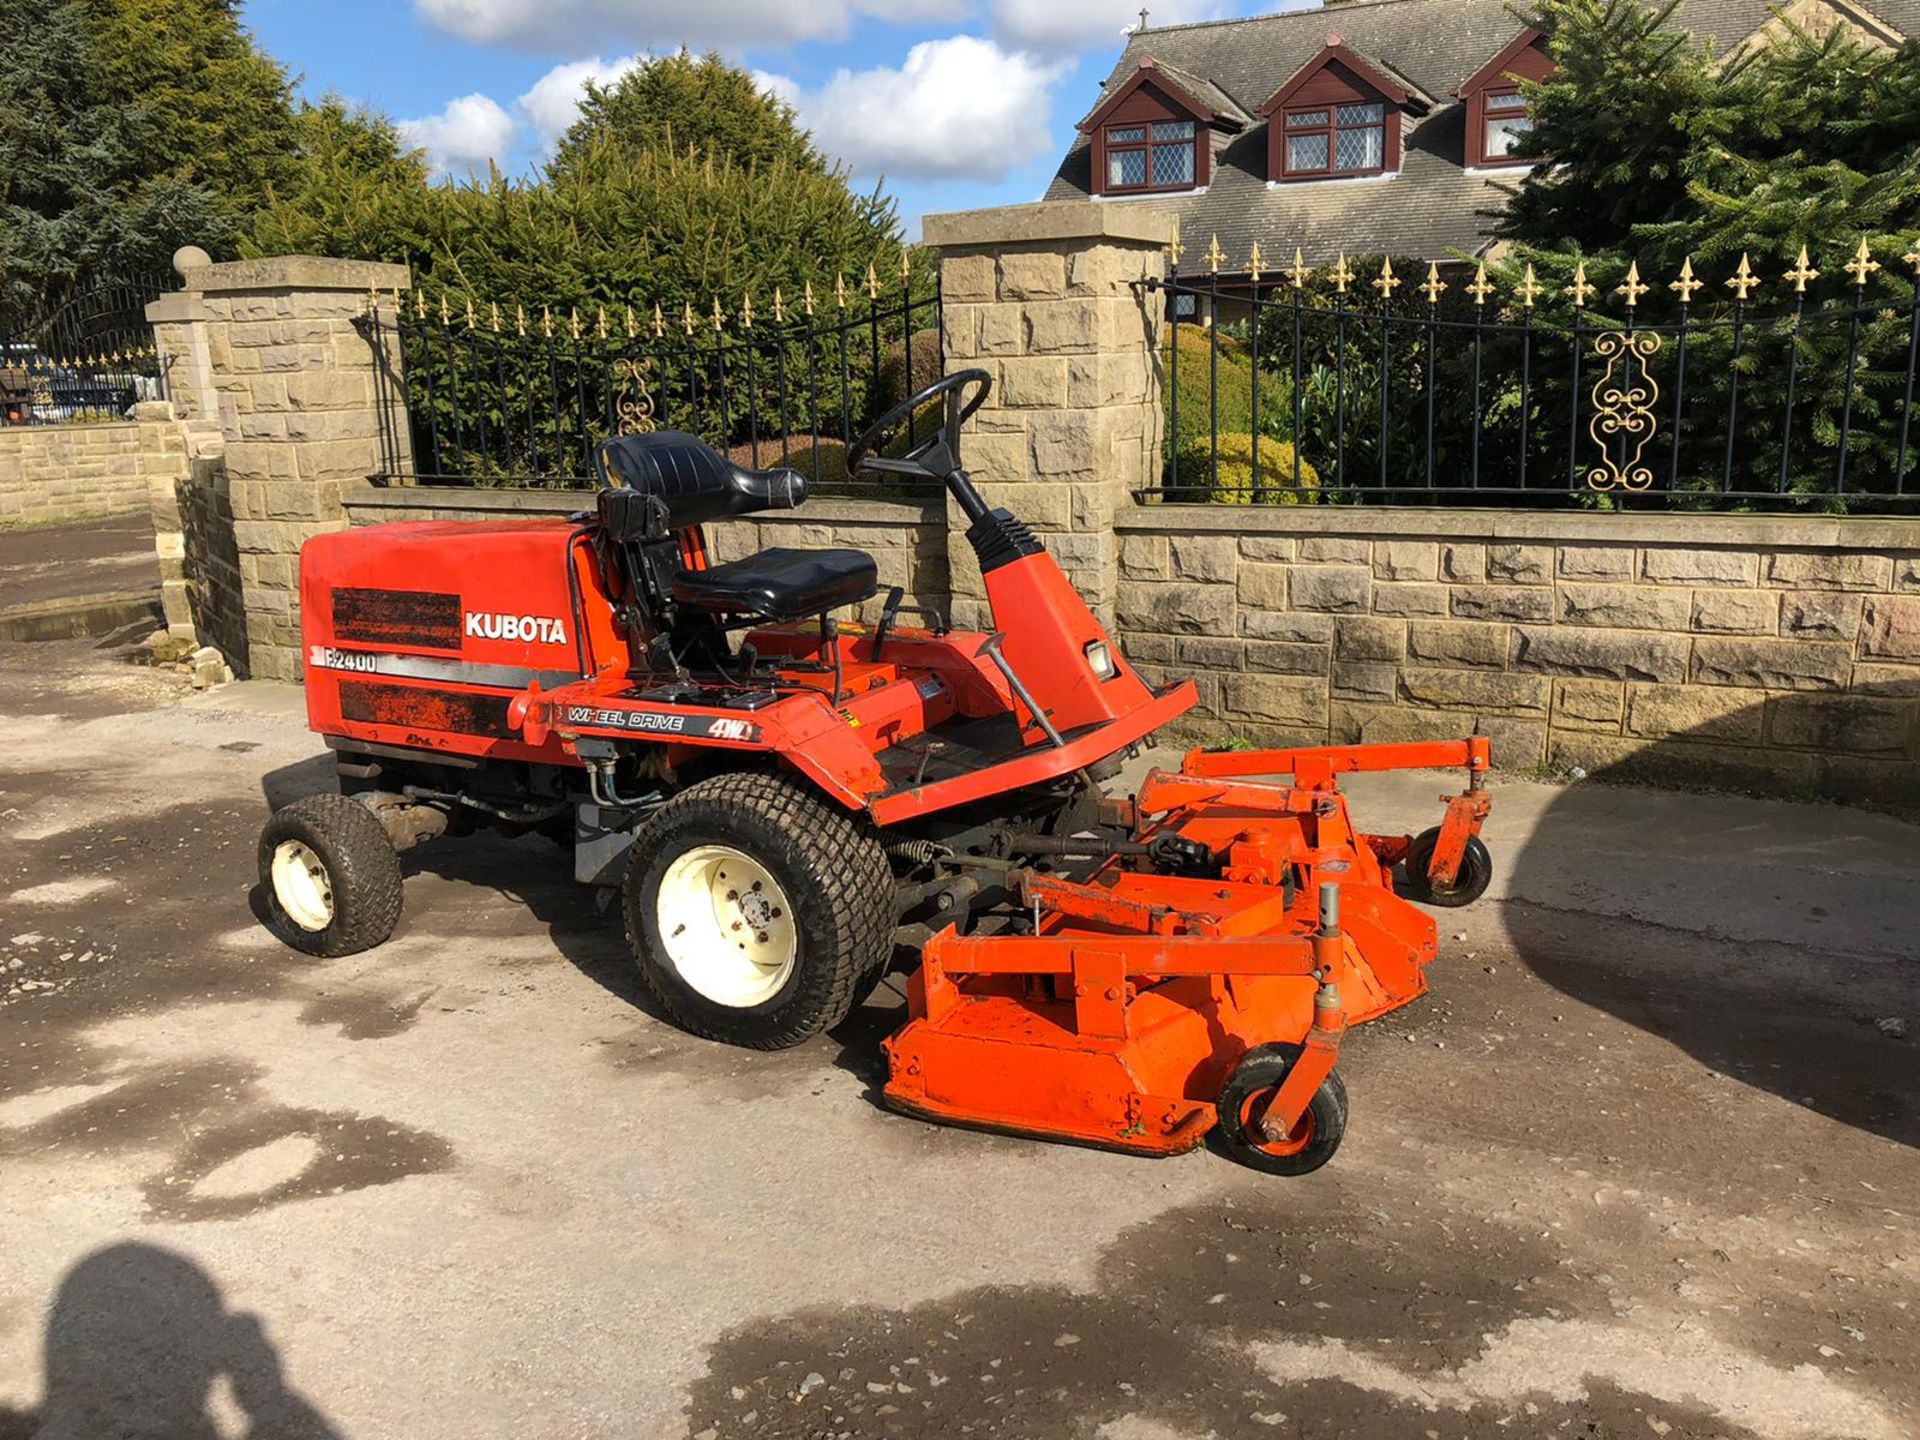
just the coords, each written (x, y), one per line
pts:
(734, 895)
(756, 884)
(736, 924)
(762, 938)
(775, 912)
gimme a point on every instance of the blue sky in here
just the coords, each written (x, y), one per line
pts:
(956, 103)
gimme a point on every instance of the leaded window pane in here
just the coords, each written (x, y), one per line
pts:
(1126, 167)
(1360, 115)
(1506, 102)
(1173, 164)
(1307, 152)
(1300, 119)
(1503, 135)
(1173, 130)
(1134, 133)
(1359, 149)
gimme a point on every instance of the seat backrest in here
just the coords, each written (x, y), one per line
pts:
(694, 481)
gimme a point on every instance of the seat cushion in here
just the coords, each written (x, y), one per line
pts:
(781, 584)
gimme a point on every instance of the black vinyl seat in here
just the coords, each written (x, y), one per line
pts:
(780, 584)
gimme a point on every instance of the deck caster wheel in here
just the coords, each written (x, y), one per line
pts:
(1313, 1139)
(330, 876)
(1476, 872)
(756, 911)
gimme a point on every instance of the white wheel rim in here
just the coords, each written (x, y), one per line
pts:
(301, 885)
(727, 926)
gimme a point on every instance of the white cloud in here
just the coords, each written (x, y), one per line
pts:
(780, 87)
(466, 136)
(960, 108)
(553, 102)
(1057, 26)
(560, 26)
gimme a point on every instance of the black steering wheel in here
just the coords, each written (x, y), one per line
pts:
(938, 456)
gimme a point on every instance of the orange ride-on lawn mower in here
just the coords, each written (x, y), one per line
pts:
(784, 801)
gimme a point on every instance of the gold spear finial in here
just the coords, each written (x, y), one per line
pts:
(807, 297)
(1215, 256)
(1388, 281)
(446, 313)
(472, 322)
(493, 313)
(373, 298)
(746, 310)
(1686, 284)
(840, 290)
(1801, 273)
(1529, 288)
(546, 321)
(719, 315)
(519, 319)
(779, 307)
(1435, 286)
(1633, 289)
(600, 322)
(1482, 289)
(659, 321)
(419, 304)
(633, 324)
(1743, 280)
(1174, 248)
(573, 321)
(1341, 275)
(1912, 257)
(1300, 273)
(873, 283)
(1580, 289)
(906, 266)
(1253, 264)
(1862, 265)
(687, 322)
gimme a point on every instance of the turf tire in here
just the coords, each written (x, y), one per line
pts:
(837, 878)
(362, 869)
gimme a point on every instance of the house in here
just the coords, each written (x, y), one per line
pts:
(1380, 126)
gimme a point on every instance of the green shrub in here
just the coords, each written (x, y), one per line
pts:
(1195, 388)
(1235, 483)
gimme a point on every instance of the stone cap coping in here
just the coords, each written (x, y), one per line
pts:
(481, 501)
(297, 272)
(1049, 221)
(176, 307)
(1800, 532)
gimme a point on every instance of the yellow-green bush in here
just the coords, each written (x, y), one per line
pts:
(1235, 483)
(1196, 384)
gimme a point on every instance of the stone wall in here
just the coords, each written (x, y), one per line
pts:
(54, 473)
(1777, 654)
(907, 539)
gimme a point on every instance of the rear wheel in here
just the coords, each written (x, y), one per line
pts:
(757, 912)
(330, 876)
(1252, 1086)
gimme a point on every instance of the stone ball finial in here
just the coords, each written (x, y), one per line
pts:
(190, 257)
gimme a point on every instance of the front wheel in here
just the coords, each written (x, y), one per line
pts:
(330, 876)
(1475, 874)
(1314, 1137)
(756, 911)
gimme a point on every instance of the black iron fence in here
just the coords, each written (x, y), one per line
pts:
(481, 393)
(80, 354)
(1787, 390)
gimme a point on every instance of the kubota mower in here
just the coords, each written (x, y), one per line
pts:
(785, 802)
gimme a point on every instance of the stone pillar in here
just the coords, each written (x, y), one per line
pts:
(294, 388)
(1046, 299)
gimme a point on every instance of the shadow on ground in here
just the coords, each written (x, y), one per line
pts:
(141, 1345)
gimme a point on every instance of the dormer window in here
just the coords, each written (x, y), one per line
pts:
(1158, 155)
(1336, 140)
(1339, 116)
(1497, 113)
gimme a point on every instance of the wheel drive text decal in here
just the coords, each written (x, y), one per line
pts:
(661, 722)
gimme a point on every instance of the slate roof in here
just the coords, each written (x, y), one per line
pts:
(1434, 208)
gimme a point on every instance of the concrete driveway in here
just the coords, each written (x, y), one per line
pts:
(1643, 1165)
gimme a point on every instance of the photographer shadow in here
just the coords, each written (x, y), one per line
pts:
(140, 1342)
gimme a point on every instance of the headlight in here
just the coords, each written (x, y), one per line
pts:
(1100, 658)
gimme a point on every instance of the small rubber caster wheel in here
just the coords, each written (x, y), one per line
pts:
(330, 876)
(1476, 872)
(1253, 1082)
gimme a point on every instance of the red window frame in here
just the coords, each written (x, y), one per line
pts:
(1487, 115)
(1331, 129)
(1146, 145)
